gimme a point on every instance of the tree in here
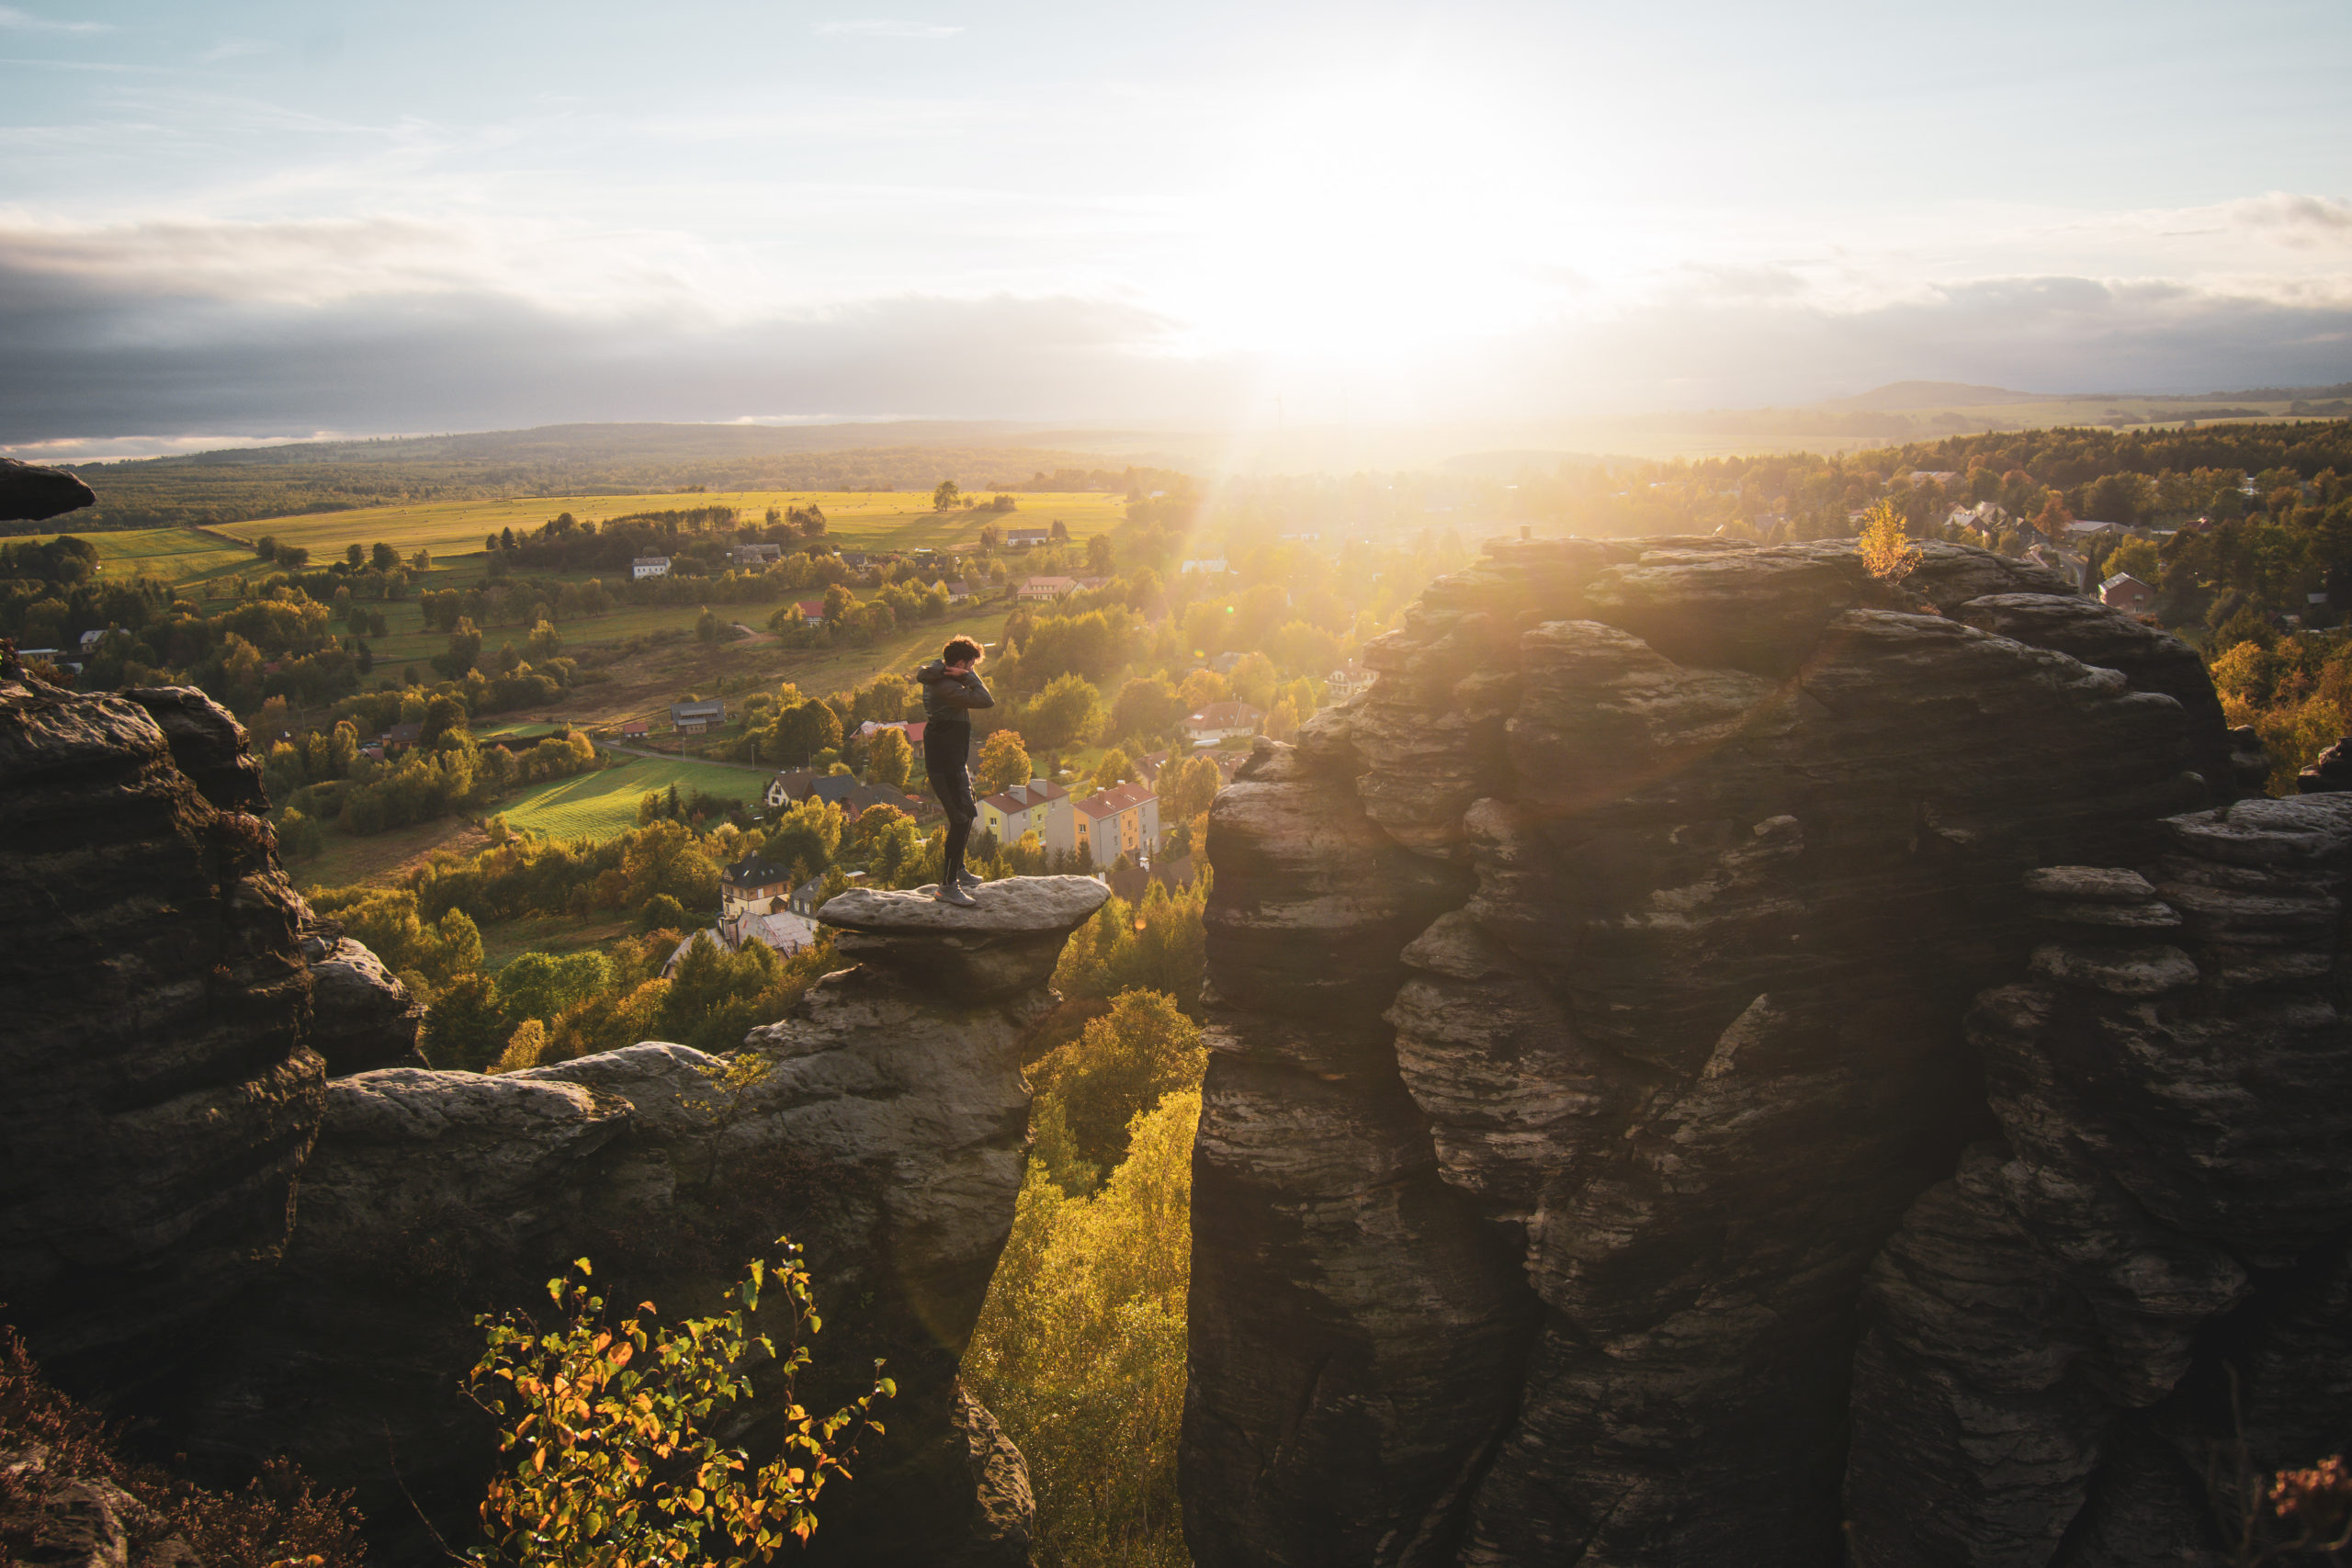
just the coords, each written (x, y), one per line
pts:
(383, 557)
(1887, 552)
(707, 630)
(1186, 788)
(1202, 687)
(466, 1028)
(1003, 762)
(293, 558)
(1146, 708)
(802, 732)
(422, 561)
(465, 646)
(611, 1430)
(807, 834)
(1097, 556)
(542, 643)
(1067, 712)
(889, 759)
(1113, 770)
(1058, 532)
(945, 496)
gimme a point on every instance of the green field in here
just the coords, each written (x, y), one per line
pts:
(174, 554)
(890, 520)
(601, 805)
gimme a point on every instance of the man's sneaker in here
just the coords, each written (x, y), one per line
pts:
(965, 879)
(956, 896)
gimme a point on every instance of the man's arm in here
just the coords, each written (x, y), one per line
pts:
(974, 694)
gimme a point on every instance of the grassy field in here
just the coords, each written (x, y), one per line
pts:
(890, 520)
(382, 859)
(600, 805)
(174, 554)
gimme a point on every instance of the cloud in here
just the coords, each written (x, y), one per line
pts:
(881, 28)
(154, 332)
(26, 21)
(2299, 221)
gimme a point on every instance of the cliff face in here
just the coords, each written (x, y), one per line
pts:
(1599, 993)
(160, 1091)
(887, 1137)
(236, 1205)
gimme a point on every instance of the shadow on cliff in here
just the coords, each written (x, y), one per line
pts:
(1633, 1134)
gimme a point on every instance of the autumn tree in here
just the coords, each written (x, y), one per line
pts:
(1887, 549)
(1003, 762)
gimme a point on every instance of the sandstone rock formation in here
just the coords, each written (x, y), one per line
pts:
(236, 1206)
(887, 1138)
(160, 1093)
(1595, 1004)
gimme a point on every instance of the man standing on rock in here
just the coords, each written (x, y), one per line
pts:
(951, 689)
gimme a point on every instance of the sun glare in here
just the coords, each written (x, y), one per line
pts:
(1368, 223)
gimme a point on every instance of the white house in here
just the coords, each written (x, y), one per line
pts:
(1347, 681)
(1219, 720)
(649, 566)
(1035, 807)
(1210, 565)
(1023, 539)
(753, 883)
(757, 555)
(1045, 590)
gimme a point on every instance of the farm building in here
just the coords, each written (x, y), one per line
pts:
(810, 611)
(636, 728)
(757, 555)
(649, 566)
(697, 719)
(1023, 539)
(1045, 590)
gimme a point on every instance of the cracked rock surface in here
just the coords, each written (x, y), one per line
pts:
(1612, 1004)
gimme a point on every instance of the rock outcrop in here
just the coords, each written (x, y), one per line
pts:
(34, 494)
(886, 1137)
(1597, 1026)
(2051, 1332)
(237, 1206)
(161, 1090)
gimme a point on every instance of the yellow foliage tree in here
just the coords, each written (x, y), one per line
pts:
(1079, 1350)
(610, 1432)
(1887, 551)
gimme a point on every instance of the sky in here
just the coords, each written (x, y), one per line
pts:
(238, 220)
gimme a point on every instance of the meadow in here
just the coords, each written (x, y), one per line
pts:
(603, 804)
(875, 520)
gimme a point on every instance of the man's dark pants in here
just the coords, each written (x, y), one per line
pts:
(945, 747)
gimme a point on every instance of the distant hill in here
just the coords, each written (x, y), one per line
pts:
(211, 488)
(1905, 396)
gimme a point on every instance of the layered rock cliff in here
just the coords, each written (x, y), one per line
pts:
(1598, 1034)
(237, 1206)
(162, 1093)
(887, 1136)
